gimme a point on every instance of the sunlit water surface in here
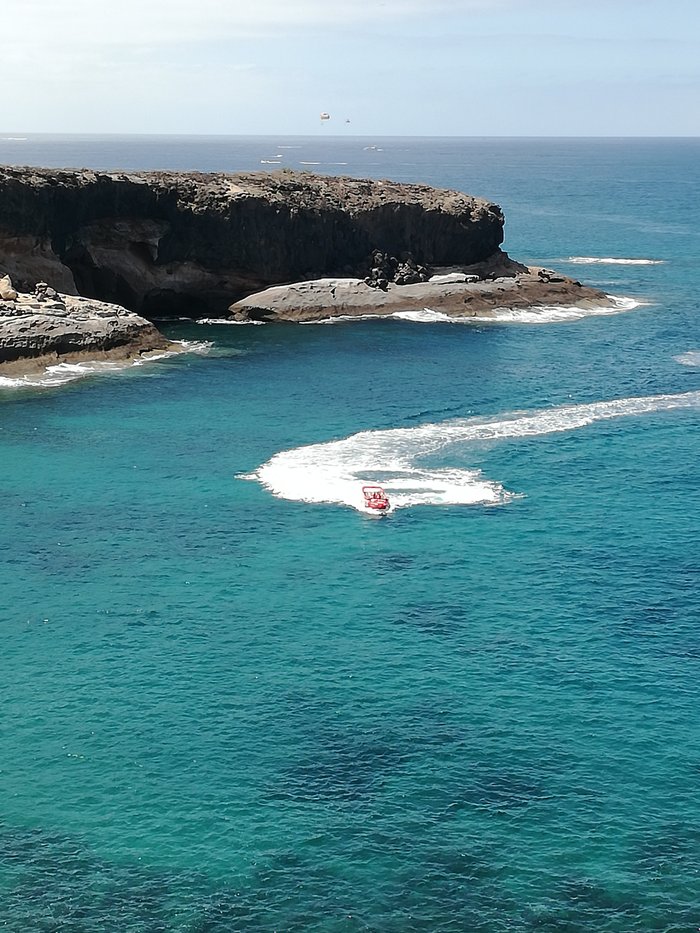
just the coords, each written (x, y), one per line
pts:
(231, 701)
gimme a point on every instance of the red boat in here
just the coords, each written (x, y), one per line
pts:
(375, 498)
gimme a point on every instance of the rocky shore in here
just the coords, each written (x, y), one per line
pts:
(182, 243)
(45, 327)
(458, 293)
(113, 251)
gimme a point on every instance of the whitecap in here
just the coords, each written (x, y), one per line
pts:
(424, 316)
(224, 320)
(62, 373)
(691, 358)
(200, 347)
(612, 261)
(347, 318)
(538, 314)
(334, 472)
(555, 314)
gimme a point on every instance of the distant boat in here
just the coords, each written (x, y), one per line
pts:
(372, 149)
(270, 162)
(325, 116)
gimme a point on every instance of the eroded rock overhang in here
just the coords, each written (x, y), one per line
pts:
(163, 243)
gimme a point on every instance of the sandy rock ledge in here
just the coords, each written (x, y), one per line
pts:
(47, 327)
(484, 294)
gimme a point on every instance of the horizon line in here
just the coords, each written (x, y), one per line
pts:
(23, 135)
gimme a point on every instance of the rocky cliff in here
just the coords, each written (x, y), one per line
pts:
(162, 244)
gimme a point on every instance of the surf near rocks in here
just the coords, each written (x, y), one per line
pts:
(183, 243)
(480, 291)
(165, 244)
(45, 327)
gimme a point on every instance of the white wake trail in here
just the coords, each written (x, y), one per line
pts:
(335, 471)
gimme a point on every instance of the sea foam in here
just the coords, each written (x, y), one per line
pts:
(424, 316)
(690, 358)
(62, 373)
(215, 321)
(556, 314)
(334, 472)
(612, 261)
(539, 314)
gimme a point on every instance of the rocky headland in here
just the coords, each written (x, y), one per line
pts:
(480, 291)
(166, 244)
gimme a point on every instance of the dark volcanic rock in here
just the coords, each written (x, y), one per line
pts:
(187, 243)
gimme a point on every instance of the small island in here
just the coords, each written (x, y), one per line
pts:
(92, 259)
(479, 291)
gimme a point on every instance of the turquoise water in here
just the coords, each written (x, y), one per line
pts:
(225, 709)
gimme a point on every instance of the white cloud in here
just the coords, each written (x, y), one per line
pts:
(259, 66)
(77, 22)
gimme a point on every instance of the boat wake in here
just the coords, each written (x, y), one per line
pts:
(399, 458)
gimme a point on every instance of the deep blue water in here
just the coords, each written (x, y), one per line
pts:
(228, 710)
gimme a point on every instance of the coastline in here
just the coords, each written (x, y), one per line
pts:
(238, 702)
(325, 248)
(30, 367)
(321, 299)
(44, 330)
(71, 332)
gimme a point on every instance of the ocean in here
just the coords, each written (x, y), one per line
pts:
(233, 702)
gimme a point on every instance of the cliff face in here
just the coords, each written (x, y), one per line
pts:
(187, 243)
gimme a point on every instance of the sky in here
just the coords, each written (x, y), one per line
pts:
(378, 67)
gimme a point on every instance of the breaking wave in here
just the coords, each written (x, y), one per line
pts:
(555, 314)
(398, 458)
(62, 373)
(612, 261)
(225, 321)
(691, 358)
(541, 314)
(424, 316)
